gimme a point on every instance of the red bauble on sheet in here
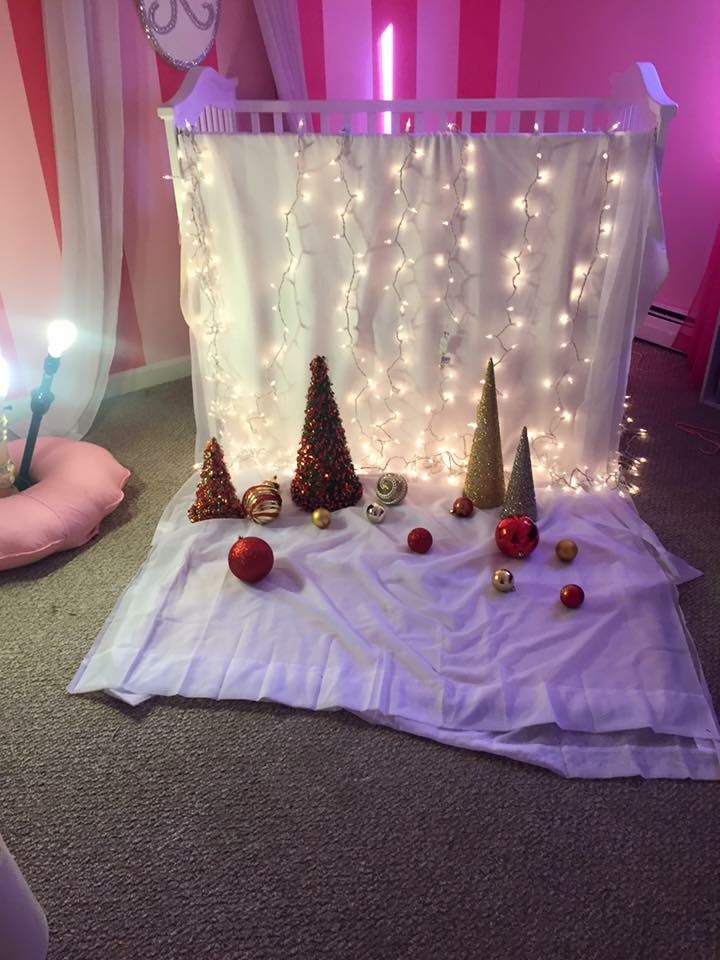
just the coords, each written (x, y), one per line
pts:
(250, 559)
(572, 595)
(462, 507)
(517, 537)
(420, 540)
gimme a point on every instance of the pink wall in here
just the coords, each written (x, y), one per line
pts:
(150, 325)
(573, 46)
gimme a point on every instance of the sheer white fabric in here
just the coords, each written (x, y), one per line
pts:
(280, 25)
(549, 388)
(348, 617)
(83, 57)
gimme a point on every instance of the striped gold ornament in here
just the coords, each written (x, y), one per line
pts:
(262, 501)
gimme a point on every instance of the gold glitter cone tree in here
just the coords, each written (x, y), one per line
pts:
(520, 496)
(485, 480)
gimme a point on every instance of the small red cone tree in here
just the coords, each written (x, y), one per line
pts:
(215, 496)
(325, 475)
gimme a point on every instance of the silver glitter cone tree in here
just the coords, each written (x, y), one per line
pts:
(485, 479)
(520, 496)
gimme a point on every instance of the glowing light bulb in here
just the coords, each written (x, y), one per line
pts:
(61, 335)
(547, 383)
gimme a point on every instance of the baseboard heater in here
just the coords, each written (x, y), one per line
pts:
(660, 326)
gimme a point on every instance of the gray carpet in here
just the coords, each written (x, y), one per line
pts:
(232, 830)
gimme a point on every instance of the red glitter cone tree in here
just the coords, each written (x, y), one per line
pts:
(215, 497)
(325, 475)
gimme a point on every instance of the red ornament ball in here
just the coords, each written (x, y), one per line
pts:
(517, 537)
(250, 559)
(463, 507)
(420, 540)
(572, 595)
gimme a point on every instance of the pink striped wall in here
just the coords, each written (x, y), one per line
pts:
(443, 48)
(150, 326)
(570, 47)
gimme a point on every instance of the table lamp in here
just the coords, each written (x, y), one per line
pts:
(61, 335)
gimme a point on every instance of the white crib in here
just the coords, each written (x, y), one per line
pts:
(206, 102)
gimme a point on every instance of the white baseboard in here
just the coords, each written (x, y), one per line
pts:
(151, 375)
(657, 330)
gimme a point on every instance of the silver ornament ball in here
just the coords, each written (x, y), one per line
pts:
(503, 580)
(375, 512)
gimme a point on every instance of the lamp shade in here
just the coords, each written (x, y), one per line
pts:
(61, 335)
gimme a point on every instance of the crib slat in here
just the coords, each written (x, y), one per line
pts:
(588, 120)
(255, 122)
(466, 121)
(371, 120)
(324, 122)
(490, 121)
(395, 122)
(514, 121)
(540, 120)
(347, 121)
(277, 122)
(564, 121)
(215, 120)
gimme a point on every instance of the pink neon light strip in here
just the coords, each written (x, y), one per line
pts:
(386, 72)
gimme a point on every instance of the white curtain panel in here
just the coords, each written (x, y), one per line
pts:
(280, 25)
(430, 263)
(83, 56)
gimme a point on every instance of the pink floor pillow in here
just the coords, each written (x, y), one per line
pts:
(77, 484)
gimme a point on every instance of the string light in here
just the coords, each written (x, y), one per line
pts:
(202, 266)
(357, 270)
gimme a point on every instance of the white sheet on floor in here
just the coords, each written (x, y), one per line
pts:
(349, 618)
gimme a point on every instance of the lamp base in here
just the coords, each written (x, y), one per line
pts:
(22, 483)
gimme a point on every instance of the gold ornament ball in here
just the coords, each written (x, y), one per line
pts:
(566, 550)
(321, 517)
(503, 580)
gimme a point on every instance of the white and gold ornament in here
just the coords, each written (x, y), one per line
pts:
(262, 502)
(391, 489)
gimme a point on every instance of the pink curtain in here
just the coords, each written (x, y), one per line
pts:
(696, 335)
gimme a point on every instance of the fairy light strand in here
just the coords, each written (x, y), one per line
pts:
(357, 269)
(202, 265)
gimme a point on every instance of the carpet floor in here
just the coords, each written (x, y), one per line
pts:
(196, 829)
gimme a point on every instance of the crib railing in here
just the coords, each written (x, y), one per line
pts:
(556, 115)
(206, 103)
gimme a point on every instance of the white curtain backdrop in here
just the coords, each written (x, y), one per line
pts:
(280, 26)
(83, 57)
(430, 265)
